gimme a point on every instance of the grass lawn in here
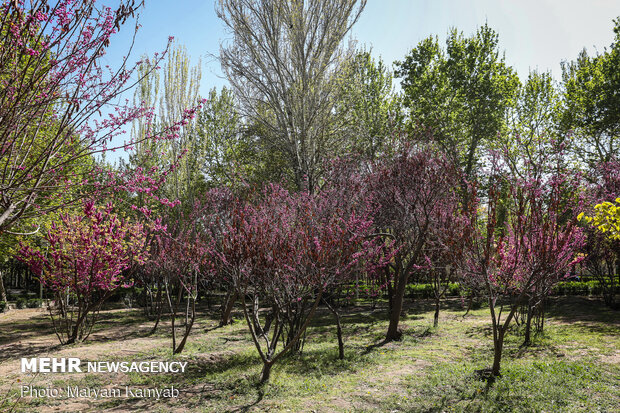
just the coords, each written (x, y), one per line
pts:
(574, 366)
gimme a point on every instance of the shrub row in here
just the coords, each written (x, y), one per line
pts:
(425, 290)
(562, 288)
(579, 288)
(31, 303)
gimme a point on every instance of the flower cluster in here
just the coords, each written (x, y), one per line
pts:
(88, 252)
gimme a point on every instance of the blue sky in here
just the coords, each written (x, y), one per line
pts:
(533, 33)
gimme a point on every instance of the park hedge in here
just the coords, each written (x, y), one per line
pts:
(582, 288)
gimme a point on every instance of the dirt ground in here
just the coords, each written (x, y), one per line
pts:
(416, 374)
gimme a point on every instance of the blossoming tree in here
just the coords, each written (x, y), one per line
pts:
(410, 190)
(518, 261)
(60, 105)
(87, 260)
(282, 252)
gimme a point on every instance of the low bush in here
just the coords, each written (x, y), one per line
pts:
(34, 303)
(21, 303)
(427, 291)
(577, 288)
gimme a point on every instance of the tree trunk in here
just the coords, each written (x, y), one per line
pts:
(541, 317)
(394, 332)
(340, 341)
(160, 308)
(264, 375)
(75, 332)
(390, 292)
(181, 345)
(338, 330)
(528, 325)
(157, 319)
(436, 317)
(146, 297)
(498, 345)
(190, 314)
(268, 357)
(269, 319)
(227, 309)
(3, 296)
(469, 304)
(173, 316)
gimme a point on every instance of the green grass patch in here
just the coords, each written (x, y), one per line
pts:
(572, 367)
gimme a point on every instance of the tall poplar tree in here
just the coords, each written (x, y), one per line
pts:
(459, 94)
(283, 63)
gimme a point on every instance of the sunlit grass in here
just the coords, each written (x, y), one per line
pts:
(573, 366)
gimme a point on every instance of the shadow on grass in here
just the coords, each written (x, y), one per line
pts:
(406, 333)
(485, 331)
(369, 349)
(322, 361)
(259, 397)
(215, 364)
(19, 350)
(535, 349)
(11, 332)
(584, 309)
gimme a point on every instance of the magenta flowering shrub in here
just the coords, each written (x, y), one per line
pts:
(281, 252)
(541, 238)
(416, 192)
(520, 258)
(181, 262)
(87, 258)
